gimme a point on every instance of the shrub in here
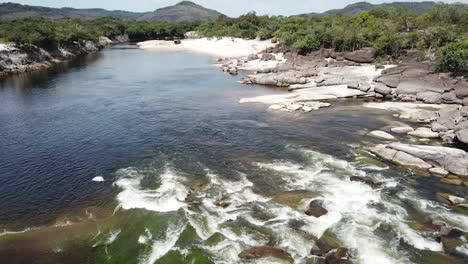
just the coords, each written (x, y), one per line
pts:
(454, 58)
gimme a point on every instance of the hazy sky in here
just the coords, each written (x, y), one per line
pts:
(228, 7)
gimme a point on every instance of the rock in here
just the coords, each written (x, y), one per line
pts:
(415, 86)
(436, 127)
(223, 203)
(276, 107)
(449, 116)
(365, 87)
(400, 157)
(429, 97)
(438, 171)
(274, 40)
(315, 208)
(177, 41)
(464, 111)
(361, 56)
(447, 136)
(402, 130)
(369, 182)
(424, 132)
(293, 198)
(381, 134)
(451, 159)
(353, 85)
(336, 254)
(465, 101)
(462, 135)
(452, 181)
(382, 89)
(407, 97)
(461, 90)
(233, 71)
(294, 107)
(450, 98)
(268, 57)
(281, 67)
(265, 251)
(389, 80)
(252, 57)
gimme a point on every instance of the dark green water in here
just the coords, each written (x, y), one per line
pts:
(165, 132)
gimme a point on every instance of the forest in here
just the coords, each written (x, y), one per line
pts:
(440, 34)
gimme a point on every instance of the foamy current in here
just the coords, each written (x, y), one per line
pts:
(364, 220)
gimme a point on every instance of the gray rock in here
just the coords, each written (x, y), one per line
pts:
(449, 116)
(381, 134)
(268, 57)
(353, 85)
(399, 157)
(450, 98)
(316, 208)
(464, 111)
(252, 57)
(448, 136)
(402, 130)
(437, 127)
(418, 86)
(361, 56)
(461, 125)
(365, 87)
(461, 89)
(382, 89)
(407, 97)
(462, 135)
(429, 97)
(389, 80)
(451, 159)
(424, 132)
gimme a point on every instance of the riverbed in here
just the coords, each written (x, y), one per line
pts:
(134, 156)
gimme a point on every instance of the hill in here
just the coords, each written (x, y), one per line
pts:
(11, 11)
(185, 10)
(416, 7)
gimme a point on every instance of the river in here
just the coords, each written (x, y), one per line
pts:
(131, 156)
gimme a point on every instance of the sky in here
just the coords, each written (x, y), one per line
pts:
(228, 7)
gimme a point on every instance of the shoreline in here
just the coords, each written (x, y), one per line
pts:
(15, 61)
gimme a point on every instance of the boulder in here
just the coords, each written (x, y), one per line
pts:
(424, 132)
(429, 97)
(336, 255)
(415, 86)
(252, 57)
(389, 80)
(382, 135)
(369, 182)
(461, 90)
(451, 159)
(268, 57)
(315, 208)
(450, 98)
(437, 171)
(365, 87)
(464, 111)
(400, 157)
(361, 56)
(264, 252)
(402, 130)
(436, 127)
(353, 85)
(449, 116)
(382, 89)
(462, 135)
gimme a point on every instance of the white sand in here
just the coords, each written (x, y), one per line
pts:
(225, 47)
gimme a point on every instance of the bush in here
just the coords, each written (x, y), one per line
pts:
(454, 58)
(307, 44)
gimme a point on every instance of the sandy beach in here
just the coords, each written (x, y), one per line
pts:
(224, 47)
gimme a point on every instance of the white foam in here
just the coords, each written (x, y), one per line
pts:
(168, 197)
(162, 246)
(98, 179)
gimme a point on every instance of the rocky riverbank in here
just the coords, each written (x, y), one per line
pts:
(15, 60)
(437, 102)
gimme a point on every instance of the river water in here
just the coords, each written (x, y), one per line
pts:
(130, 156)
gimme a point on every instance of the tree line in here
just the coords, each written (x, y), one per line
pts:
(442, 32)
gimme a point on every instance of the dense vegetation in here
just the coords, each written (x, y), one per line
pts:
(391, 32)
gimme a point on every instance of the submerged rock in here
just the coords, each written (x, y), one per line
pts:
(369, 182)
(265, 251)
(316, 208)
(381, 134)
